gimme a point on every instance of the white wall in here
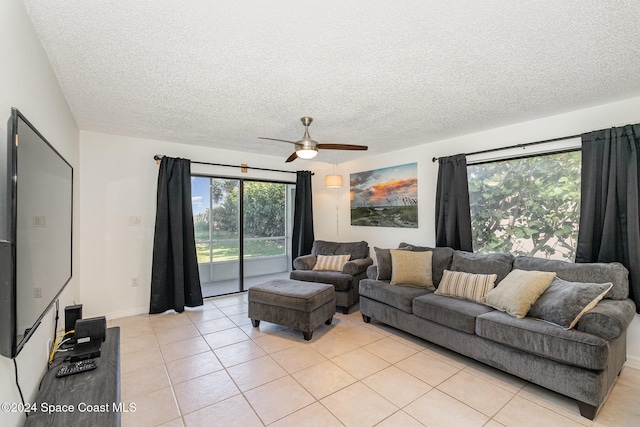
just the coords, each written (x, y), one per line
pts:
(28, 83)
(119, 180)
(600, 117)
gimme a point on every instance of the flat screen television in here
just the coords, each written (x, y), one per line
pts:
(36, 205)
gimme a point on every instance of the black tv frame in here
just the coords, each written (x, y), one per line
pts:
(9, 345)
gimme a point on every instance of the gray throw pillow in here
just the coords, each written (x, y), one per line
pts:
(564, 303)
(499, 264)
(383, 260)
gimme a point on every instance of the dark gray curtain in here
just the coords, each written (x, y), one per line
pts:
(453, 215)
(175, 282)
(609, 216)
(302, 240)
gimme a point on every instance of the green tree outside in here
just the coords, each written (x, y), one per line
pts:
(264, 209)
(264, 216)
(528, 206)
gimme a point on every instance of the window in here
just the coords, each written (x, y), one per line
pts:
(526, 206)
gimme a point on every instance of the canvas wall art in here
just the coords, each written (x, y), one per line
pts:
(386, 197)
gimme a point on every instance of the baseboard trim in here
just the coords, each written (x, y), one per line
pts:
(126, 313)
(633, 362)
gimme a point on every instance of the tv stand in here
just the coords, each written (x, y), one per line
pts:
(90, 398)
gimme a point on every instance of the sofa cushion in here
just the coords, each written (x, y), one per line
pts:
(518, 291)
(564, 303)
(472, 287)
(441, 259)
(597, 272)
(331, 262)
(535, 336)
(400, 297)
(451, 312)
(357, 250)
(411, 269)
(383, 261)
(341, 281)
(499, 264)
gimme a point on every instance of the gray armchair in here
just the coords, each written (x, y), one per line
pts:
(345, 282)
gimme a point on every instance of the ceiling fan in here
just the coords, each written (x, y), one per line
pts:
(307, 148)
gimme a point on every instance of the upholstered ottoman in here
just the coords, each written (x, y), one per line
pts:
(298, 305)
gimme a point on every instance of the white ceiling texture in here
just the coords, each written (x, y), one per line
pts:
(387, 74)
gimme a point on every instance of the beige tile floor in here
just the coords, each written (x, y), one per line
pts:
(209, 366)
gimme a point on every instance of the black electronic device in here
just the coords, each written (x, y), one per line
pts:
(89, 335)
(71, 314)
(84, 352)
(77, 367)
(36, 205)
(92, 329)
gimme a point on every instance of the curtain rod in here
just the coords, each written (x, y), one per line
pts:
(158, 158)
(435, 159)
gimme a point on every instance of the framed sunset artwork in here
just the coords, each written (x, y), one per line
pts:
(386, 197)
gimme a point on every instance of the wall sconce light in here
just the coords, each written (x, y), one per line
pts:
(333, 181)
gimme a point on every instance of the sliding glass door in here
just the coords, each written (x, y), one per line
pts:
(243, 230)
(266, 237)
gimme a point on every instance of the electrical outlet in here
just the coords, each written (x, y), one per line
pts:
(135, 281)
(135, 221)
(37, 292)
(39, 221)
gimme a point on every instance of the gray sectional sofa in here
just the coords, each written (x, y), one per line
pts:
(581, 363)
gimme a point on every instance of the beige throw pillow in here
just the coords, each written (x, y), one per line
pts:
(331, 262)
(517, 292)
(467, 286)
(411, 269)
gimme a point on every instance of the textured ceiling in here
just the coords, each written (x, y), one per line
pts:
(388, 74)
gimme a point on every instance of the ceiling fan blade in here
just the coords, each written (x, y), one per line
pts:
(342, 147)
(292, 157)
(275, 139)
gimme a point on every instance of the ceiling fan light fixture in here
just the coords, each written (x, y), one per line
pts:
(306, 153)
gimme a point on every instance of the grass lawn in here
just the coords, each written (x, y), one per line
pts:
(229, 250)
